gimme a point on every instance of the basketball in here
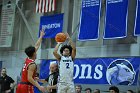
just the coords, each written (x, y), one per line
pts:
(60, 37)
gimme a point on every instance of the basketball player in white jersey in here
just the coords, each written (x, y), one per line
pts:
(66, 66)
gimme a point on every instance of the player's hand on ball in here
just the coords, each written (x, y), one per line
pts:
(42, 89)
(67, 35)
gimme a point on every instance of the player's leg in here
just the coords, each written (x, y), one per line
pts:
(61, 88)
(71, 88)
(22, 88)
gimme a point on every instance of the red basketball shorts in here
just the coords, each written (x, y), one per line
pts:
(24, 88)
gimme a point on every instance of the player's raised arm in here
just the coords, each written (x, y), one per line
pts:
(72, 45)
(42, 33)
(55, 52)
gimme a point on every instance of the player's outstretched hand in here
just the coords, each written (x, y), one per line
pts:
(67, 35)
(42, 33)
(42, 89)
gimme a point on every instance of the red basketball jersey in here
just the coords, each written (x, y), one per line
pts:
(24, 77)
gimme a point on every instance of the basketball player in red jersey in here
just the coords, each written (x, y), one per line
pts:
(29, 70)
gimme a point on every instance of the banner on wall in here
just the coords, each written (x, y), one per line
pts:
(7, 22)
(52, 25)
(137, 20)
(116, 19)
(89, 21)
(113, 71)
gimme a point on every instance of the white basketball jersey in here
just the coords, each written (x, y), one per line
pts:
(66, 67)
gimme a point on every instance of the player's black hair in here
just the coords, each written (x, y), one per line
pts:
(114, 88)
(88, 89)
(30, 51)
(66, 46)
